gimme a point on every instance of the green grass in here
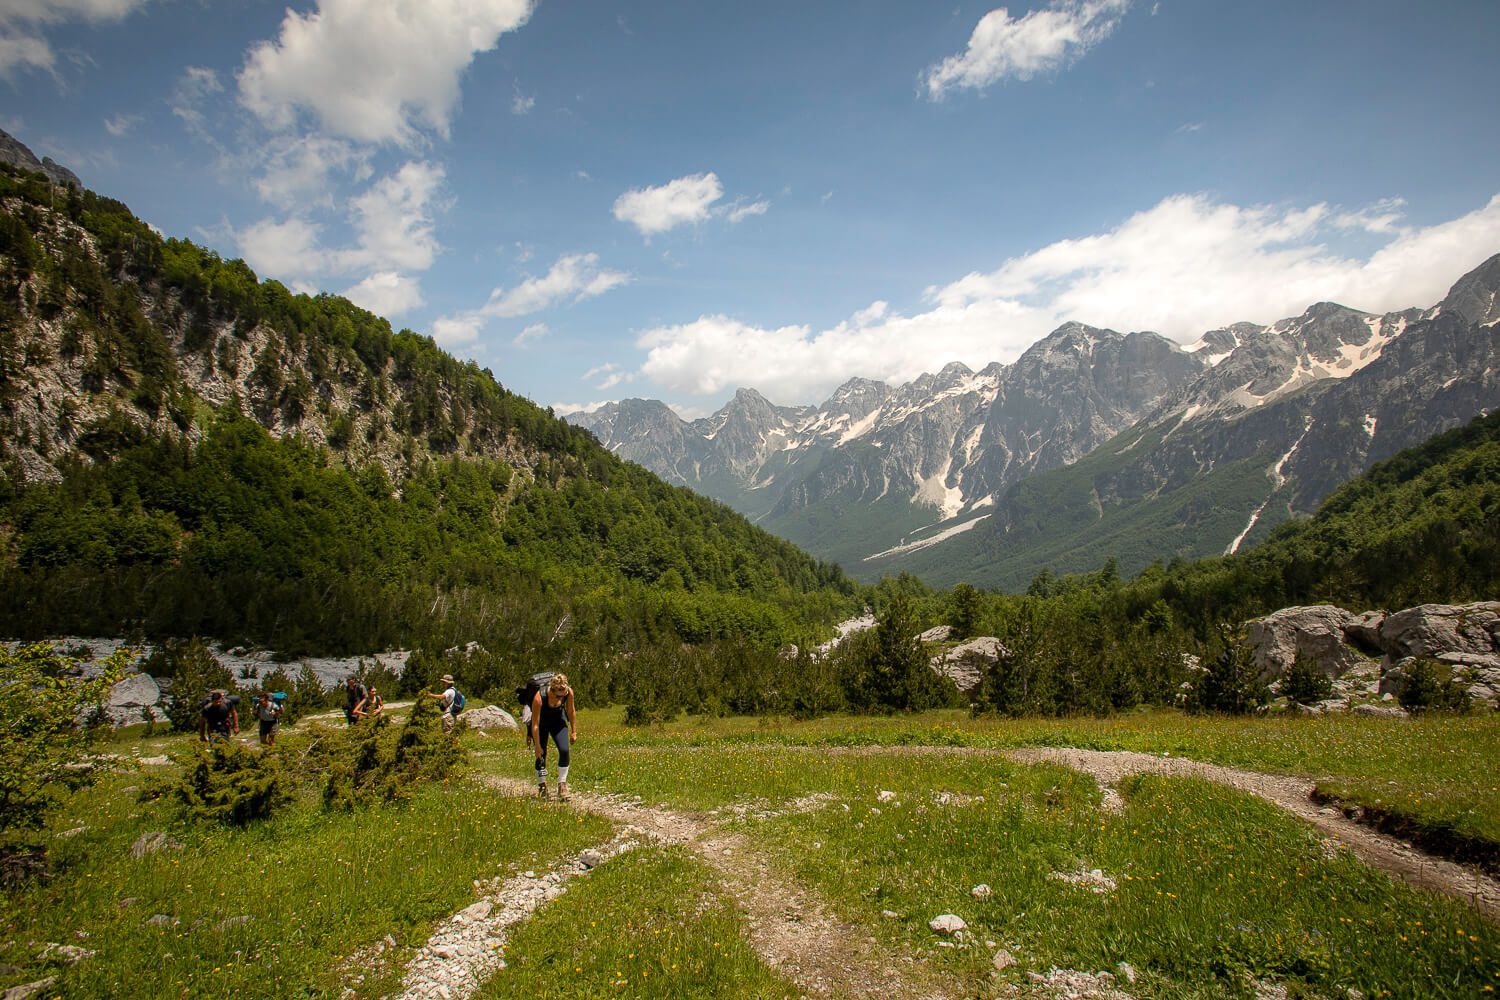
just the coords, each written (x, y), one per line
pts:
(1213, 885)
(649, 923)
(316, 885)
(1438, 770)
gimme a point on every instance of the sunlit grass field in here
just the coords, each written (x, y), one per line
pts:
(1214, 890)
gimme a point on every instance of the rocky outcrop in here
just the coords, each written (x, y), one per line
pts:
(1464, 637)
(1314, 634)
(966, 663)
(134, 699)
(16, 153)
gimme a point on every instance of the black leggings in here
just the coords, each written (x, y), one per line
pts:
(560, 737)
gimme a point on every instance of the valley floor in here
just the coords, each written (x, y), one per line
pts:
(1147, 856)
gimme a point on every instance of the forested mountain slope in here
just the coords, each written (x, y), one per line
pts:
(188, 449)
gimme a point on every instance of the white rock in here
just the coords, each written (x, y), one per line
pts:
(1003, 960)
(885, 796)
(947, 923)
(981, 891)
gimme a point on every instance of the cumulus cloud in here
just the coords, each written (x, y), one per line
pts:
(675, 203)
(298, 170)
(23, 43)
(572, 278)
(1040, 41)
(392, 228)
(374, 71)
(1184, 266)
(387, 293)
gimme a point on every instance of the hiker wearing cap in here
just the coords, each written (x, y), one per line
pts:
(354, 693)
(219, 720)
(450, 702)
(552, 715)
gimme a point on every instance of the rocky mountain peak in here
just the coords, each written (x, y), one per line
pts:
(1476, 296)
(16, 153)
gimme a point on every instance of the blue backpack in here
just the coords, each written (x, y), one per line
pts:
(458, 702)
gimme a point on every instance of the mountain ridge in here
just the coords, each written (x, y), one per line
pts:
(936, 453)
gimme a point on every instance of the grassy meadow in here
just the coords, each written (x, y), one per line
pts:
(1213, 890)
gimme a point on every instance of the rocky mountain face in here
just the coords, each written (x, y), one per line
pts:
(877, 474)
(111, 335)
(16, 153)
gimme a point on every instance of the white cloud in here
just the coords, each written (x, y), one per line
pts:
(1038, 42)
(675, 203)
(535, 331)
(567, 408)
(298, 170)
(375, 71)
(393, 218)
(392, 225)
(521, 104)
(21, 51)
(387, 293)
(22, 44)
(1186, 265)
(739, 212)
(195, 86)
(120, 125)
(572, 278)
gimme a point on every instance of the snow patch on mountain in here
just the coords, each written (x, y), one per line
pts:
(922, 543)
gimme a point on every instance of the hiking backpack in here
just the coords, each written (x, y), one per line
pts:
(458, 702)
(528, 691)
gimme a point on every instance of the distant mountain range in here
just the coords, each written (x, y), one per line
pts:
(1093, 444)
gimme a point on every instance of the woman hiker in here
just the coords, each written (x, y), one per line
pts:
(552, 715)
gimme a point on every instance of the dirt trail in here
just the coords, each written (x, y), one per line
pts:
(1294, 795)
(790, 927)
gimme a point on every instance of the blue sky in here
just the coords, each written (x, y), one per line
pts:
(672, 199)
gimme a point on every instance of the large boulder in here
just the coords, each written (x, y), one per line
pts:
(1313, 634)
(966, 663)
(490, 717)
(131, 697)
(1431, 630)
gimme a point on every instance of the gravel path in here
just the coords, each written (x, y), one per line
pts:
(795, 932)
(790, 927)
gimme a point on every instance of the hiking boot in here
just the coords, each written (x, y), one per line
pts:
(562, 791)
(541, 790)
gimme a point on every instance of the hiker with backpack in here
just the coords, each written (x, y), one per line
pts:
(268, 711)
(552, 714)
(354, 693)
(218, 718)
(452, 703)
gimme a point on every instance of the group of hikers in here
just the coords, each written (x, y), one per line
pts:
(219, 718)
(547, 713)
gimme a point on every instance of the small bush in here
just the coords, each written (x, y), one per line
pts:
(42, 701)
(1230, 683)
(232, 785)
(377, 762)
(1305, 683)
(1431, 687)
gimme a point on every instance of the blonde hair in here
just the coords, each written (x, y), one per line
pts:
(559, 682)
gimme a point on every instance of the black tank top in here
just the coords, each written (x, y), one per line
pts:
(554, 718)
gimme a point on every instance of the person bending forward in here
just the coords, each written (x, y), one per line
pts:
(552, 715)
